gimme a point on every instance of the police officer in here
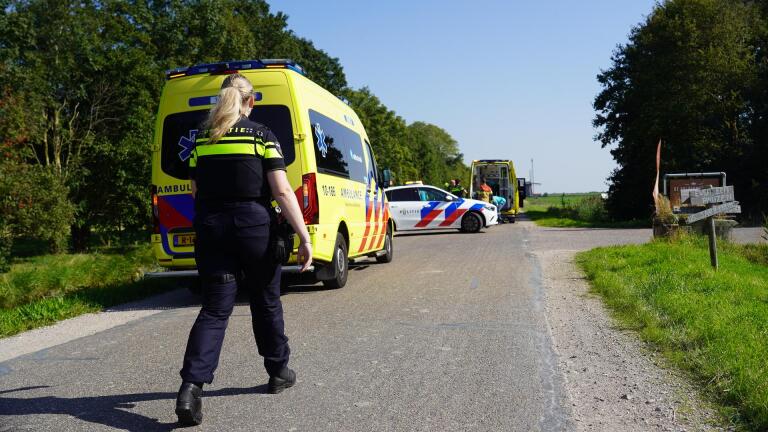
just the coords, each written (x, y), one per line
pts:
(236, 167)
(457, 189)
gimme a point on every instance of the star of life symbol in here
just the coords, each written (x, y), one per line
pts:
(187, 144)
(321, 144)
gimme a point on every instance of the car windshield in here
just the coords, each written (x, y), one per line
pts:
(431, 194)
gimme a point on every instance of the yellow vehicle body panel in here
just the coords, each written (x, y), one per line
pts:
(353, 204)
(501, 176)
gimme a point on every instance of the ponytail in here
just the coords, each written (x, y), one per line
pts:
(232, 104)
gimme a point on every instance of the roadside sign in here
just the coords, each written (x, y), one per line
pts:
(677, 185)
(701, 197)
(729, 207)
(691, 191)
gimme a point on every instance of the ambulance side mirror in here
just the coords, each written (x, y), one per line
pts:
(386, 178)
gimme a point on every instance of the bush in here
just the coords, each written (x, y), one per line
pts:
(35, 204)
(6, 242)
(588, 209)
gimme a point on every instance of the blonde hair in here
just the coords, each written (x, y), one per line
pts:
(232, 103)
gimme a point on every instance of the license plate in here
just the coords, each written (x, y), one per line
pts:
(184, 240)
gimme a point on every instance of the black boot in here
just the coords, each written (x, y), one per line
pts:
(286, 378)
(189, 404)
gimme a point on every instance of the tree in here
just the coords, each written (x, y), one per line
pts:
(435, 154)
(386, 130)
(684, 77)
(33, 204)
(80, 83)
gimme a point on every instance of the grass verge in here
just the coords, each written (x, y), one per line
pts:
(574, 211)
(42, 290)
(553, 218)
(711, 323)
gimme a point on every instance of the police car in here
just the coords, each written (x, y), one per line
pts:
(420, 207)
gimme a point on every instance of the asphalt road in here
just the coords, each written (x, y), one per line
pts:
(450, 336)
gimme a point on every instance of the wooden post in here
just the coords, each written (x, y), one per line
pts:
(712, 243)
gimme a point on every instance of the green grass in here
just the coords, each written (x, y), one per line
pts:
(574, 211)
(711, 323)
(557, 199)
(44, 289)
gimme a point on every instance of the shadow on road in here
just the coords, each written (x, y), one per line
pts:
(112, 411)
(183, 297)
(436, 232)
(175, 299)
(304, 289)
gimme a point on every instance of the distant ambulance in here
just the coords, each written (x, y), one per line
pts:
(329, 162)
(499, 174)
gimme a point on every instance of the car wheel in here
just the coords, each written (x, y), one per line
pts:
(340, 264)
(471, 223)
(387, 256)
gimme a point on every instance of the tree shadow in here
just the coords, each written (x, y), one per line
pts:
(111, 411)
(434, 232)
(180, 297)
(304, 288)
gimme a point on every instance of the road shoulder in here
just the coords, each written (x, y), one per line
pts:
(613, 381)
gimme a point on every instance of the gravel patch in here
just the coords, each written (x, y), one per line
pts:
(613, 381)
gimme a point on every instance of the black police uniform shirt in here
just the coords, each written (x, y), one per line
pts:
(235, 166)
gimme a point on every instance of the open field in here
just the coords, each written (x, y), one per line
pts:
(578, 210)
(711, 323)
(557, 199)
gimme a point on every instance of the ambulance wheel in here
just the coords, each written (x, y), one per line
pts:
(340, 264)
(471, 223)
(512, 219)
(387, 256)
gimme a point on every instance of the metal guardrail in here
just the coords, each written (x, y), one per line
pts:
(192, 273)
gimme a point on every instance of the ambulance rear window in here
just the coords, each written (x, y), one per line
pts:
(179, 131)
(338, 149)
(278, 119)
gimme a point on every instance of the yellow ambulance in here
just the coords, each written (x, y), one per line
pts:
(328, 156)
(499, 174)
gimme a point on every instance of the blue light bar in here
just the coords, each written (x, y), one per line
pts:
(234, 66)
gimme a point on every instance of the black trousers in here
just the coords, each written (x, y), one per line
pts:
(232, 251)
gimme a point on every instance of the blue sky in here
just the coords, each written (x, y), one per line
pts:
(507, 79)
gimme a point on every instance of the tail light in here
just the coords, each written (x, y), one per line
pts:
(307, 197)
(155, 211)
